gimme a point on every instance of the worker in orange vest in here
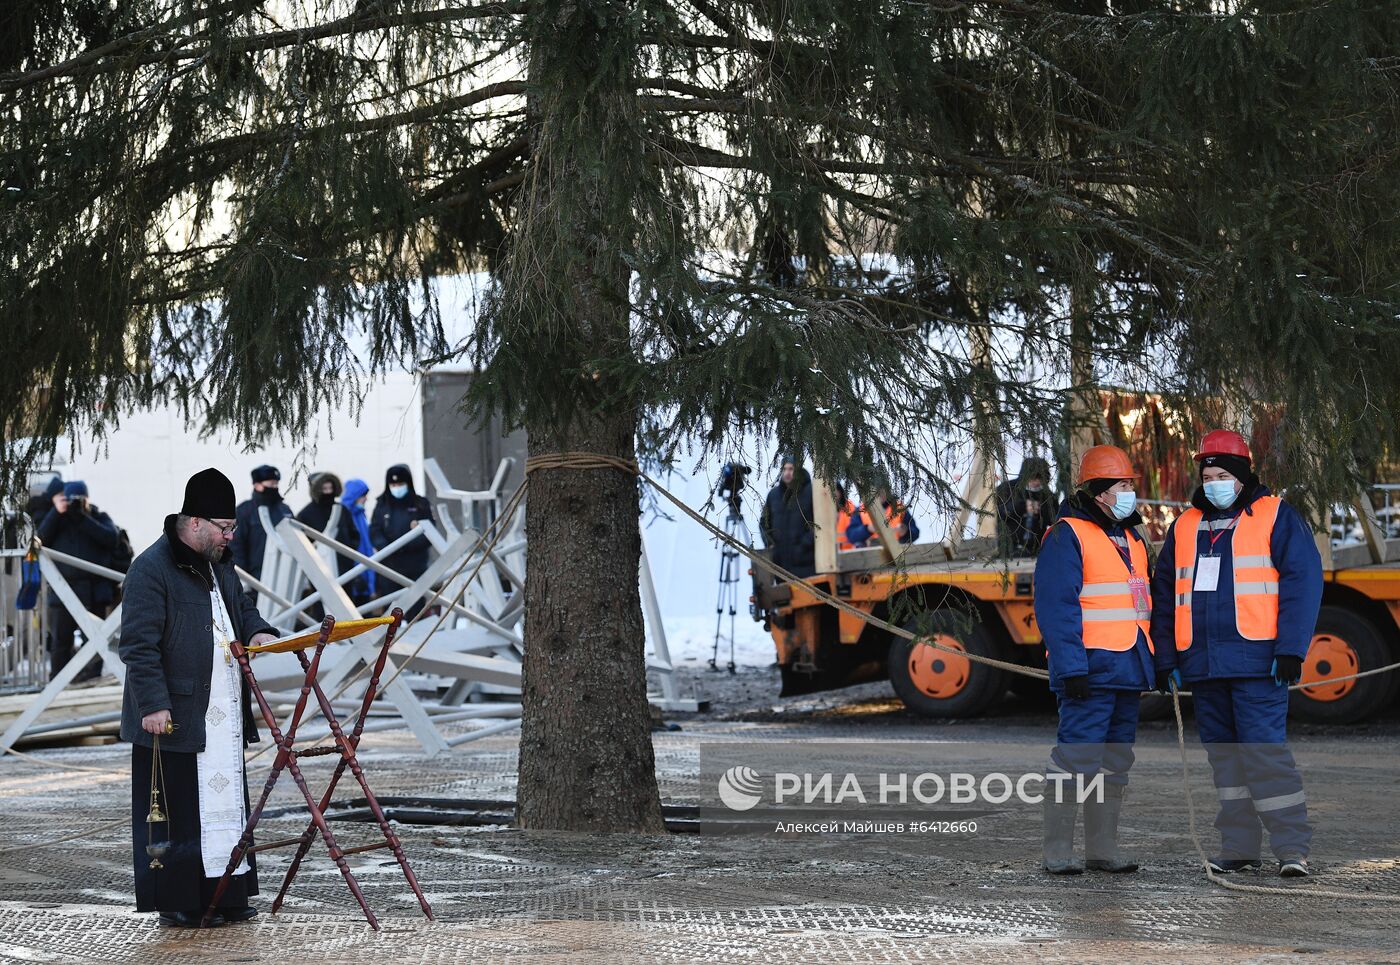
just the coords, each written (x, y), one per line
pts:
(1094, 609)
(844, 512)
(1236, 594)
(860, 530)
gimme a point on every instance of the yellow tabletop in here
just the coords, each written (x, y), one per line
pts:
(305, 639)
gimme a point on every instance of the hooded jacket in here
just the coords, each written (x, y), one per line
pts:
(317, 515)
(1059, 578)
(1217, 650)
(362, 588)
(1018, 535)
(787, 524)
(393, 518)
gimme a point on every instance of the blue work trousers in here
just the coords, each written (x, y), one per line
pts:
(1242, 723)
(1096, 733)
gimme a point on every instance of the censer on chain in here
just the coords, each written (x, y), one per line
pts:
(157, 849)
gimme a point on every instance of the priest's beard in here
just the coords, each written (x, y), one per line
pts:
(215, 552)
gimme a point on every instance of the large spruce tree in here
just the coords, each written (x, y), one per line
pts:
(861, 228)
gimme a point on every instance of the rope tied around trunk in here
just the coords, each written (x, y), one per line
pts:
(583, 460)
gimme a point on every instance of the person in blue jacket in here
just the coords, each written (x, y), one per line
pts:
(1093, 608)
(1235, 599)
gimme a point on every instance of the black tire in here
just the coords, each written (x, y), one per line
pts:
(982, 686)
(1358, 699)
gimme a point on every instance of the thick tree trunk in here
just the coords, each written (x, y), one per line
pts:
(586, 761)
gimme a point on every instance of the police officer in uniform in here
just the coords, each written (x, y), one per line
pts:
(1093, 607)
(1235, 598)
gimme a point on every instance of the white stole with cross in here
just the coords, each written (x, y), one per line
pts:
(220, 764)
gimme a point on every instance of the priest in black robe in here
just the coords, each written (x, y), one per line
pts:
(182, 604)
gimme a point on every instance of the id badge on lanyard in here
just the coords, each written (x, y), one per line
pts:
(1207, 574)
(1141, 601)
(1208, 567)
(1137, 586)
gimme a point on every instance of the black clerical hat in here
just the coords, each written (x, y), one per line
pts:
(209, 495)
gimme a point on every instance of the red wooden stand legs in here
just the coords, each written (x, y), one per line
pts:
(287, 757)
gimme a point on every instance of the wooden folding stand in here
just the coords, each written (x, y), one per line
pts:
(288, 755)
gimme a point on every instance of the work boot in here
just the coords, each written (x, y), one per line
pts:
(1059, 817)
(1101, 832)
(1230, 866)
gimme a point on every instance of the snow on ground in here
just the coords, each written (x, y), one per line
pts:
(691, 640)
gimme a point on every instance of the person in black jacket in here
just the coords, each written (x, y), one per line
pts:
(77, 528)
(250, 539)
(787, 523)
(325, 491)
(397, 510)
(1025, 509)
(41, 504)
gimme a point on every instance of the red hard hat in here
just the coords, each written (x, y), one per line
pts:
(1223, 442)
(1105, 462)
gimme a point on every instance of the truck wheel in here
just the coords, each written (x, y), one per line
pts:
(1344, 643)
(933, 683)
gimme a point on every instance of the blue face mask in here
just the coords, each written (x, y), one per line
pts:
(398, 491)
(1124, 504)
(1220, 492)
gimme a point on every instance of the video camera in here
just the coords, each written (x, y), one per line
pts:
(732, 480)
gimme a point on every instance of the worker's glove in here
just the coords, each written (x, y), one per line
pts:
(1166, 679)
(1076, 688)
(1287, 671)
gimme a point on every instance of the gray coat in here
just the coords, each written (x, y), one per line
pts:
(166, 640)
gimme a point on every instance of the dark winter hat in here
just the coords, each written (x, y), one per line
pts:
(266, 474)
(209, 495)
(54, 487)
(1237, 466)
(398, 474)
(1097, 487)
(75, 488)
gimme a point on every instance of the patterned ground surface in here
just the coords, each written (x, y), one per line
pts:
(504, 895)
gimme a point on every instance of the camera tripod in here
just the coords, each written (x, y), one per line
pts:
(729, 578)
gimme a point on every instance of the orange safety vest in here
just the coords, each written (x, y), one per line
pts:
(893, 520)
(843, 520)
(1111, 619)
(1256, 580)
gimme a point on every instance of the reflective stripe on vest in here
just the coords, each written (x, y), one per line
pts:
(1255, 578)
(1106, 607)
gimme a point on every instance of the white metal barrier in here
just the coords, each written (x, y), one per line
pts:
(475, 655)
